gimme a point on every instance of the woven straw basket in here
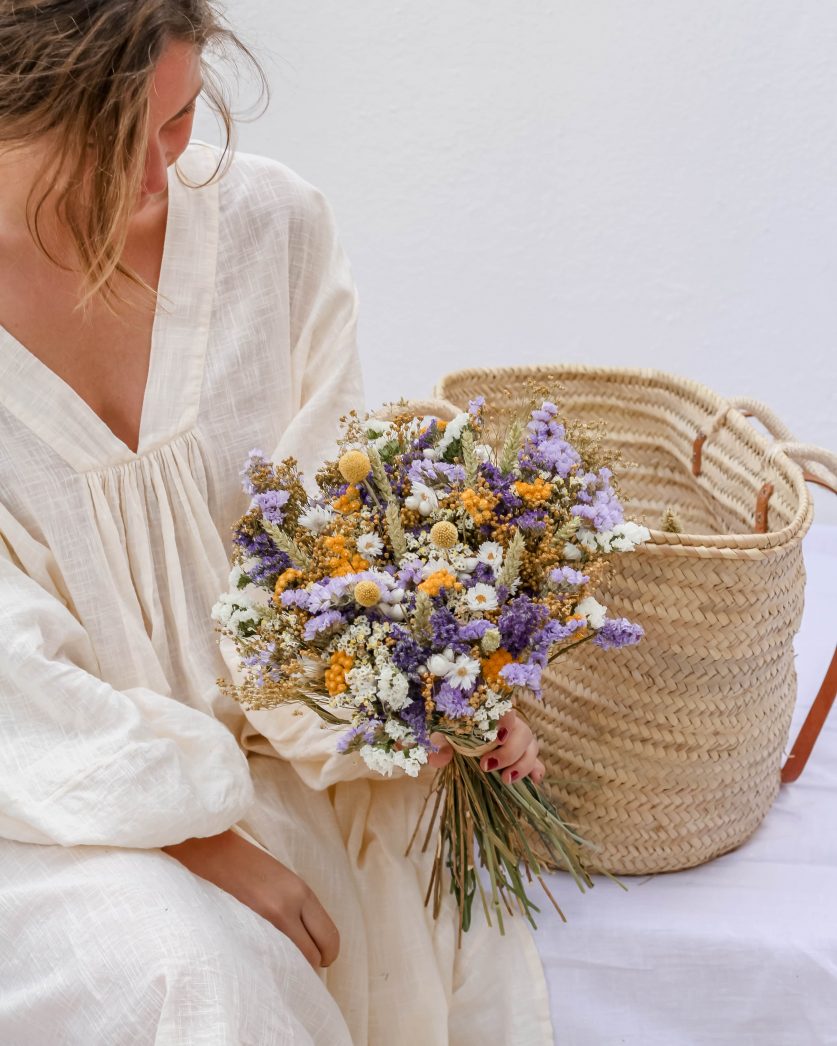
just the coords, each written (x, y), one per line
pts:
(668, 753)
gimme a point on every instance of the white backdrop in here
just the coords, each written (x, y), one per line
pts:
(651, 184)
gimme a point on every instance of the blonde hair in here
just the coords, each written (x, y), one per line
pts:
(80, 71)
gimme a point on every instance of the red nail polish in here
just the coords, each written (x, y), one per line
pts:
(513, 776)
(502, 734)
(491, 764)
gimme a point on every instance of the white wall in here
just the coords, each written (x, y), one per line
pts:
(652, 183)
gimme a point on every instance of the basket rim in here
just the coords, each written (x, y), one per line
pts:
(703, 397)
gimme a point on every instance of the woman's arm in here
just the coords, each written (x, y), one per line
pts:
(82, 762)
(261, 882)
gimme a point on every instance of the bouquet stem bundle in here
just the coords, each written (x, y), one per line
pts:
(514, 828)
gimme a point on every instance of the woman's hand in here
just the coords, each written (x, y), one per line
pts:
(268, 887)
(515, 754)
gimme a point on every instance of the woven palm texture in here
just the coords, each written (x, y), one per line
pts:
(668, 753)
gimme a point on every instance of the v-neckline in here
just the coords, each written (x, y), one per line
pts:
(61, 417)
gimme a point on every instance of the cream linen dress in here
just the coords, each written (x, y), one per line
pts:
(115, 738)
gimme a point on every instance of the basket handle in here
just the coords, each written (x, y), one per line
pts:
(804, 454)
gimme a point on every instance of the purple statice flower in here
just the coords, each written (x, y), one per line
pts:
(567, 576)
(271, 503)
(414, 716)
(361, 733)
(475, 405)
(321, 623)
(532, 519)
(500, 484)
(410, 573)
(546, 446)
(473, 631)
(598, 503)
(517, 674)
(555, 631)
(481, 574)
(616, 632)
(503, 593)
(295, 597)
(271, 561)
(519, 621)
(407, 654)
(445, 630)
(452, 701)
(427, 438)
(428, 472)
(254, 458)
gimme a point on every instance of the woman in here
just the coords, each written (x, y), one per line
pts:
(157, 323)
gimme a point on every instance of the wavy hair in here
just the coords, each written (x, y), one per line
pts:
(80, 72)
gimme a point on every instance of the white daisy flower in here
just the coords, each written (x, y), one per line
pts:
(593, 611)
(422, 498)
(463, 672)
(316, 518)
(370, 545)
(481, 597)
(491, 552)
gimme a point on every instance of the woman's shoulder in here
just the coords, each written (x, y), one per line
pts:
(255, 188)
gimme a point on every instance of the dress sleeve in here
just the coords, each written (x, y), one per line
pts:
(325, 364)
(81, 762)
(324, 310)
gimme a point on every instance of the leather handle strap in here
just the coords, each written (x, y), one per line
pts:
(818, 712)
(814, 722)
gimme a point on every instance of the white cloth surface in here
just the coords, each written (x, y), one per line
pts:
(115, 738)
(738, 952)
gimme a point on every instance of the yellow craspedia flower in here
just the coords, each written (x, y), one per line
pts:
(354, 466)
(367, 593)
(443, 534)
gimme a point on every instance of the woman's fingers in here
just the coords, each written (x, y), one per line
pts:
(443, 756)
(322, 932)
(510, 749)
(524, 765)
(300, 935)
(538, 773)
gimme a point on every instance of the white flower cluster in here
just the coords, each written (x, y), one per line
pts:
(410, 760)
(241, 608)
(623, 538)
(453, 431)
(490, 712)
(379, 433)
(374, 673)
